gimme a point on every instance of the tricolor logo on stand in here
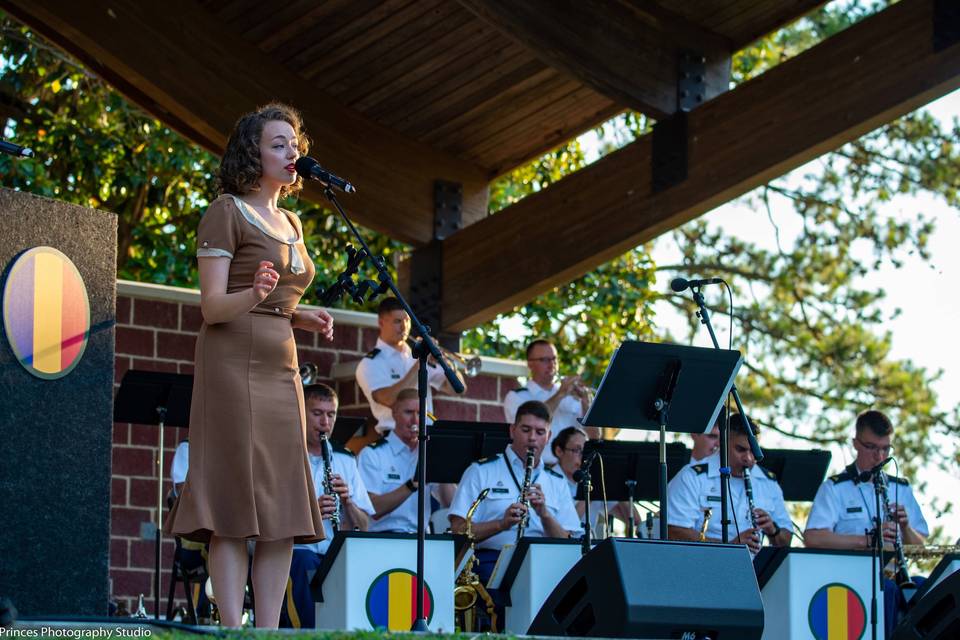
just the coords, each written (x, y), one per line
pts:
(392, 600)
(837, 613)
(46, 313)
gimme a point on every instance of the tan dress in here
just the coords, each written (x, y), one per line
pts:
(249, 475)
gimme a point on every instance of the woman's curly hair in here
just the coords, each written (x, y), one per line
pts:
(240, 167)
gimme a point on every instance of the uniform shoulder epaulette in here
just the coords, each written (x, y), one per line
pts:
(701, 468)
(372, 353)
(770, 474)
(843, 476)
(339, 448)
(552, 472)
(378, 443)
(489, 459)
(902, 481)
(519, 389)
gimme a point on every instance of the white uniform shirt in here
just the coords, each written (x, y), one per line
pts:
(847, 506)
(493, 473)
(383, 367)
(384, 466)
(345, 465)
(566, 415)
(696, 487)
(178, 468)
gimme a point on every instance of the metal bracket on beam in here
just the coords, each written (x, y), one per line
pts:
(669, 153)
(691, 80)
(946, 24)
(447, 208)
(424, 268)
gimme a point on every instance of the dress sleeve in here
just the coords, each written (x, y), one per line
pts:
(511, 402)
(218, 235)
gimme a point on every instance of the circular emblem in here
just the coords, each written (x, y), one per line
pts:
(46, 313)
(837, 613)
(392, 600)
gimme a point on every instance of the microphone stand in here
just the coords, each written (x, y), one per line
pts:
(582, 475)
(876, 556)
(424, 349)
(704, 316)
(631, 522)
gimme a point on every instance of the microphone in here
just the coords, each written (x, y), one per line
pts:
(682, 284)
(584, 469)
(866, 474)
(15, 150)
(310, 168)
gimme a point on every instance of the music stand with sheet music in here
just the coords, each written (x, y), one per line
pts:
(346, 427)
(624, 460)
(663, 387)
(162, 399)
(800, 472)
(454, 445)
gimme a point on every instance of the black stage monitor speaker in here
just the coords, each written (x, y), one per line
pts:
(936, 616)
(629, 588)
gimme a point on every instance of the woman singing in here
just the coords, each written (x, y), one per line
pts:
(249, 475)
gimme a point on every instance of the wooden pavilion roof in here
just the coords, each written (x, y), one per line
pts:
(398, 94)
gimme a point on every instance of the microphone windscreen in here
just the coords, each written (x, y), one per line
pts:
(305, 165)
(678, 284)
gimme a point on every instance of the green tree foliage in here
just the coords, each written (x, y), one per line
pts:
(813, 334)
(96, 149)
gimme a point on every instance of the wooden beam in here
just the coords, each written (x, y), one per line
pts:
(625, 51)
(180, 63)
(864, 77)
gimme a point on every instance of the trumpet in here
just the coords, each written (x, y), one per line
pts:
(469, 365)
(309, 373)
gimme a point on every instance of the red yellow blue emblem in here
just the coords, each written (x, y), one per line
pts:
(837, 613)
(392, 600)
(46, 312)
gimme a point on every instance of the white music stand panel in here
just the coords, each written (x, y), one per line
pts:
(542, 567)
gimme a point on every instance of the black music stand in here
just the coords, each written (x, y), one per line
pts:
(624, 460)
(663, 387)
(800, 472)
(346, 427)
(162, 399)
(454, 445)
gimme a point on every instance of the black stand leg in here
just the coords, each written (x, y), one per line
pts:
(587, 530)
(663, 481)
(158, 540)
(631, 521)
(876, 559)
(427, 347)
(704, 315)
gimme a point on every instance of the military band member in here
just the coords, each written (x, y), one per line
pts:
(696, 488)
(705, 444)
(388, 468)
(567, 400)
(568, 448)
(390, 366)
(843, 512)
(552, 513)
(355, 507)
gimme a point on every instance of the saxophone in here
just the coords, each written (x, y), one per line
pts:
(328, 483)
(524, 500)
(468, 586)
(900, 575)
(707, 513)
(748, 489)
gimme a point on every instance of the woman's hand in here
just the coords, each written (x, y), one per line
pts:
(317, 320)
(264, 280)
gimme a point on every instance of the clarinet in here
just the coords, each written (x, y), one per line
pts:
(328, 483)
(748, 489)
(901, 577)
(524, 500)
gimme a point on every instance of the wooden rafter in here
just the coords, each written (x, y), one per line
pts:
(857, 80)
(181, 64)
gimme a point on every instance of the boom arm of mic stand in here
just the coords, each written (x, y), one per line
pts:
(384, 277)
(705, 319)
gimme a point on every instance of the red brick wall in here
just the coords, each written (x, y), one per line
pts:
(160, 336)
